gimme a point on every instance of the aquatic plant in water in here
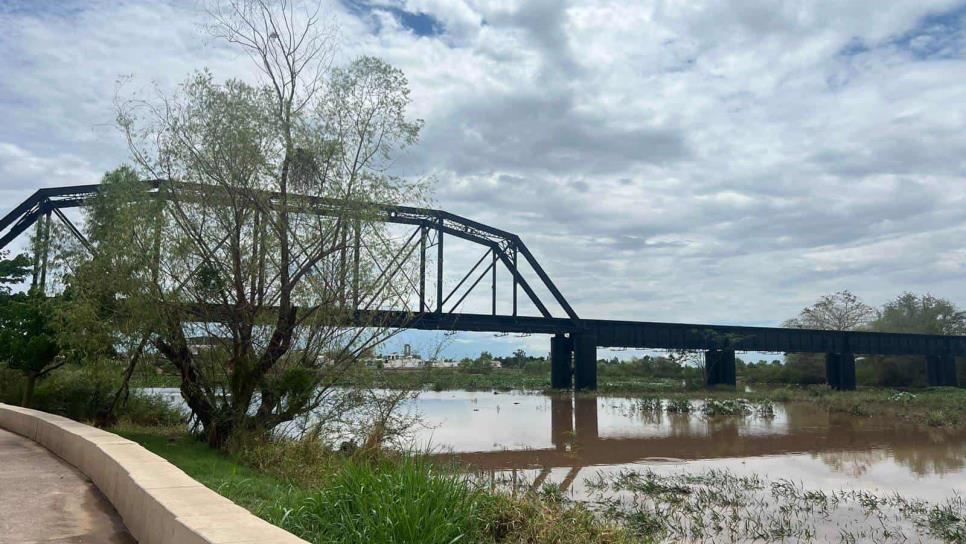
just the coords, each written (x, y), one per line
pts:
(649, 404)
(679, 406)
(765, 408)
(727, 407)
(718, 505)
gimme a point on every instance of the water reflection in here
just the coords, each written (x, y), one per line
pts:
(603, 432)
(558, 438)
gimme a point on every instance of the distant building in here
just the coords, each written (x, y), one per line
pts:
(443, 363)
(408, 360)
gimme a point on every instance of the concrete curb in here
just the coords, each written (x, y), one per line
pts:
(158, 502)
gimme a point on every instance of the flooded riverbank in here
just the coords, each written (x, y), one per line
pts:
(566, 439)
(790, 471)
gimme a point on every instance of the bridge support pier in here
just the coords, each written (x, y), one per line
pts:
(719, 367)
(840, 371)
(941, 370)
(585, 361)
(561, 358)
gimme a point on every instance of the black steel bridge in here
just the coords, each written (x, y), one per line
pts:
(573, 346)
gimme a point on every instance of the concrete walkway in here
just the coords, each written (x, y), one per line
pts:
(44, 499)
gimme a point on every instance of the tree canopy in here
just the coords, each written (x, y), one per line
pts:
(242, 273)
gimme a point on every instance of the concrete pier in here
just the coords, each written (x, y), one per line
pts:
(840, 371)
(561, 361)
(720, 367)
(941, 370)
(585, 361)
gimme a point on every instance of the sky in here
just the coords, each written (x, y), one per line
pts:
(701, 161)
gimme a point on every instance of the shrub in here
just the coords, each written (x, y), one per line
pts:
(83, 392)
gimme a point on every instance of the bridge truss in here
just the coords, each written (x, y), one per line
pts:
(575, 340)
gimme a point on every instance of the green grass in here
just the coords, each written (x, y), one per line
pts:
(390, 501)
(254, 490)
(397, 499)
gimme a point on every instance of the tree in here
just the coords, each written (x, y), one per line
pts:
(841, 311)
(13, 271)
(923, 314)
(27, 339)
(279, 186)
(911, 313)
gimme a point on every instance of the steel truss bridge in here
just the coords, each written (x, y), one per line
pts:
(573, 346)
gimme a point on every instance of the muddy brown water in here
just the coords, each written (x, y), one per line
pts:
(527, 440)
(564, 440)
(560, 439)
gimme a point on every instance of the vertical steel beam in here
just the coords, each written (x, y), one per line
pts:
(422, 268)
(493, 251)
(561, 358)
(45, 255)
(585, 361)
(514, 280)
(439, 266)
(35, 277)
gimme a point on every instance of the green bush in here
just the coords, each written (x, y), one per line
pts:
(84, 392)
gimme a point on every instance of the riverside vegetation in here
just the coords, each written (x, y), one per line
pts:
(324, 493)
(242, 297)
(321, 492)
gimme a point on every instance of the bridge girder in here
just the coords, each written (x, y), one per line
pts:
(507, 248)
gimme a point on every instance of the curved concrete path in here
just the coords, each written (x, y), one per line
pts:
(44, 499)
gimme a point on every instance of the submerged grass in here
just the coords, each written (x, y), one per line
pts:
(936, 407)
(718, 505)
(324, 497)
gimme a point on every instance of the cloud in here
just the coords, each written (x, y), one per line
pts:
(699, 161)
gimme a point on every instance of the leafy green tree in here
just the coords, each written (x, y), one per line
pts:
(251, 252)
(13, 271)
(27, 339)
(912, 313)
(924, 314)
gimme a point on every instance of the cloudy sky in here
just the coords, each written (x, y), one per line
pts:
(698, 161)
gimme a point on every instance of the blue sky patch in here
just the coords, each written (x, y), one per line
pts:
(935, 37)
(420, 24)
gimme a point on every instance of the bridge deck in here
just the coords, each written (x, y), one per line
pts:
(43, 499)
(656, 335)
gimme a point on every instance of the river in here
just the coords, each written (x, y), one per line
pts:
(564, 440)
(567, 442)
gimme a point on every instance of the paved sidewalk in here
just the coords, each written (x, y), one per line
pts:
(44, 499)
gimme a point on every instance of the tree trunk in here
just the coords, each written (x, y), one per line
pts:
(28, 391)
